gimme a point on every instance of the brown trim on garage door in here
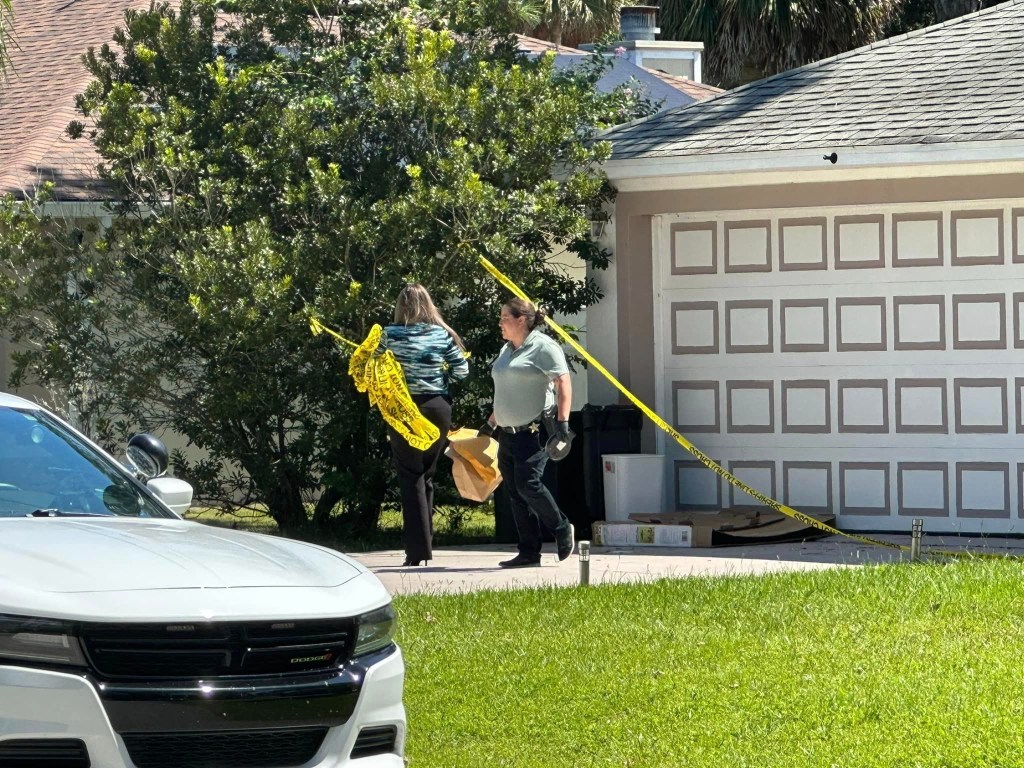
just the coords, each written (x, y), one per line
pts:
(897, 219)
(999, 257)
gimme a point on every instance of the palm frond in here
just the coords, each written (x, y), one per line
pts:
(748, 39)
(6, 32)
(574, 21)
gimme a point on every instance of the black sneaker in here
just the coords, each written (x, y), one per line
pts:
(520, 561)
(567, 543)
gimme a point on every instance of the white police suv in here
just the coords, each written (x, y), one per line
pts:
(131, 638)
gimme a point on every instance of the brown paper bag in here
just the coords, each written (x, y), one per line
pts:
(474, 464)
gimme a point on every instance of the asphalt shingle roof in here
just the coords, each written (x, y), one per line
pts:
(37, 101)
(961, 81)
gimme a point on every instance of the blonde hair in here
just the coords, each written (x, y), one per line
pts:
(521, 308)
(414, 305)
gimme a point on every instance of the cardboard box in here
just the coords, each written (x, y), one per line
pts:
(623, 534)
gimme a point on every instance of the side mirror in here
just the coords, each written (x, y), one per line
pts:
(175, 493)
(148, 455)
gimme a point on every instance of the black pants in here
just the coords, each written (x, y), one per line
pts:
(416, 476)
(521, 460)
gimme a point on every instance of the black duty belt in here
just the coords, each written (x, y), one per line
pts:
(533, 426)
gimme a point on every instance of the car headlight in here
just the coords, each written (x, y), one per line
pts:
(376, 630)
(41, 641)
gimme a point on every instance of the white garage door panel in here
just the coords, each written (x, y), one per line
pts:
(866, 361)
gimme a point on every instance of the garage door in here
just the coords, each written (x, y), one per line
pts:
(863, 361)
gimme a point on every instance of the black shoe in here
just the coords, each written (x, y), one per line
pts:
(567, 543)
(409, 562)
(520, 561)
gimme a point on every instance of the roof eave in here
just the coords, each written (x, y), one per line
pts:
(811, 164)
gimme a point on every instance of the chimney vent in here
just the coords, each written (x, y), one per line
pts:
(638, 22)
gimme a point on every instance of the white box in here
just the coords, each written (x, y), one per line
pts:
(617, 534)
(633, 483)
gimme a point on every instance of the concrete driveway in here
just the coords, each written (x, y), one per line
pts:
(464, 569)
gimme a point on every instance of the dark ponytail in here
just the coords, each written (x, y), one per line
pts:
(521, 308)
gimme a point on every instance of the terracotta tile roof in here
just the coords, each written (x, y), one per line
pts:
(961, 81)
(37, 98)
(535, 45)
(699, 91)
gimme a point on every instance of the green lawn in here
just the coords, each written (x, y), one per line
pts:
(903, 666)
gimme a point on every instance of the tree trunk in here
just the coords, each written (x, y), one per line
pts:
(361, 517)
(329, 499)
(282, 493)
(359, 522)
(288, 511)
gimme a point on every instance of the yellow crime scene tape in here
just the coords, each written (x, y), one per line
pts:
(700, 455)
(380, 375)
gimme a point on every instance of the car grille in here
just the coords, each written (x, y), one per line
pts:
(224, 749)
(378, 740)
(210, 650)
(44, 753)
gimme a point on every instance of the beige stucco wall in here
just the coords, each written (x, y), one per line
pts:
(85, 216)
(576, 268)
(70, 214)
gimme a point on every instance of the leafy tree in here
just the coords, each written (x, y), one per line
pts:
(563, 22)
(285, 162)
(746, 41)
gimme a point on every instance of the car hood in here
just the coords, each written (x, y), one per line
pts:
(79, 555)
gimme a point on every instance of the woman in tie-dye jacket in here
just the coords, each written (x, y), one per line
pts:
(431, 354)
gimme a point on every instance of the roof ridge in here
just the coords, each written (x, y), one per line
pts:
(822, 62)
(567, 50)
(662, 75)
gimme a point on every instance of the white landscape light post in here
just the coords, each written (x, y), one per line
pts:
(915, 539)
(584, 563)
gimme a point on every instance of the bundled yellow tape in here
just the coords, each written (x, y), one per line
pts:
(377, 372)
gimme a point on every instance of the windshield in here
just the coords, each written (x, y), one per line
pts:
(48, 471)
